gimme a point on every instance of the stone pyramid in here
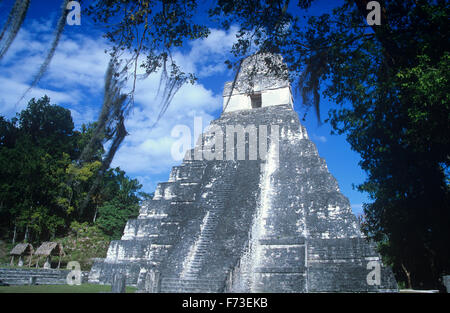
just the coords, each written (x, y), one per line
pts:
(230, 219)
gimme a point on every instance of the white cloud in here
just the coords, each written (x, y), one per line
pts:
(75, 80)
(207, 56)
(148, 150)
(319, 138)
(11, 91)
(357, 208)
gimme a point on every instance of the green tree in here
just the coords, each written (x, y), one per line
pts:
(148, 29)
(390, 84)
(35, 150)
(121, 202)
(81, 174)
(43, 183)
(49, 127)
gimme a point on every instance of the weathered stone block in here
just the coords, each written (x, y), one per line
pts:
(446, 281)
(118, 283)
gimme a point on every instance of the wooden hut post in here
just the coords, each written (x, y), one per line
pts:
(12, 261)
(49, 249)
(37, 262)
(47, 264)
(14, 236)
(59, 261)
(29, 261)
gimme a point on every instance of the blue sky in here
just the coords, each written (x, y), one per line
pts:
(75, 81)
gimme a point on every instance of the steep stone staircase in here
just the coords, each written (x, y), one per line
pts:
(196, 256)
(189, 280)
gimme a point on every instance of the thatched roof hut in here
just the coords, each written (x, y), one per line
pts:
(22, 249)
(50, 248)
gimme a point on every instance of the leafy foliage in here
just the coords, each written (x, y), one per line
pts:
(43, 185)
(121, 203)
(36, 147)
(83, 243)
(398, 123)
(390, 83)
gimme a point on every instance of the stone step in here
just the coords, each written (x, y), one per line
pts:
(34, 275)
(195, 165)
(16, 281)
(179, 286)
(201, 252)
(195, 266)
(211, 219)
(202, 248)
(194, 269)
(39, 281)
(198, 280)
(31, 270)
(22, 280)
(205, 238)
(17, 276)
(190, 289)
(203, 241)
(191, 284)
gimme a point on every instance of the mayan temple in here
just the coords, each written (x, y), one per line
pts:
(252, 208)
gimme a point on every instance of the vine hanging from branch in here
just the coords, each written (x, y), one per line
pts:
(12, 26)
(51, 52)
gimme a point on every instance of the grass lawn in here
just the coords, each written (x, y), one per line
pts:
(84, 288)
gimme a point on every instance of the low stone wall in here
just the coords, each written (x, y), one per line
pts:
(26, 276)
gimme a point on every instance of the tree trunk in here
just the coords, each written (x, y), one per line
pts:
(408, 276)
(26, 234)
(14, 234)
(95, 215)
(381, 32)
